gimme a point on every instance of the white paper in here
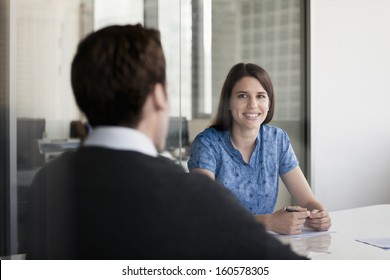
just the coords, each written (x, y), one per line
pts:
(381, 242)
(306, 232)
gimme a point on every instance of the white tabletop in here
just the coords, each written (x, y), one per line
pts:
(347, 226)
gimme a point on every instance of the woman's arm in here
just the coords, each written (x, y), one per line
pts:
(281, 221)
(299, 188)
(204, 171)
(284, 222)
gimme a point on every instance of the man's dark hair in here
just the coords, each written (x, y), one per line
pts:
(113, 72)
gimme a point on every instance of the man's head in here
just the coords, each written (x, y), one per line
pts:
(115, 73)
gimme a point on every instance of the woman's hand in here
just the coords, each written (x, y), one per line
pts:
(285, 222)
(319, 220)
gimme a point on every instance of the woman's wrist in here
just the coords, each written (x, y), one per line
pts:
(265, 219)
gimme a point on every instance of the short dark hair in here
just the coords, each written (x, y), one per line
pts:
(114, 70)
(224, 119)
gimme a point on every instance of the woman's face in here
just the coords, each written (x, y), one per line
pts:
(249, 104)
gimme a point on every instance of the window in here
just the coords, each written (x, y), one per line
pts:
(39, 118)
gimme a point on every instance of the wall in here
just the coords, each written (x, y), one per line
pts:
(350, 97)
(47, 36)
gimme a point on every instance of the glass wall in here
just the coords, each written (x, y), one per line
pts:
(202, 40)
(4, 128)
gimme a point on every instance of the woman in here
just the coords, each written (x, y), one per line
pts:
(247, 156)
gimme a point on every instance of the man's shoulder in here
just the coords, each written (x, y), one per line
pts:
(59, 163)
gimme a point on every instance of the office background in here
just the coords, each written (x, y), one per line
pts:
(328, 59)
(349, 92)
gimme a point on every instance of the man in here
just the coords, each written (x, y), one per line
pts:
(115, 198)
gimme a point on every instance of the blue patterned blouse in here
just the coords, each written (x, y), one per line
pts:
(255, 184)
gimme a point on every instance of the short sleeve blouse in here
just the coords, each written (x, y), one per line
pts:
(255, 184)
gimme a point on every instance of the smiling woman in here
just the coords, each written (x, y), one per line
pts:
(245, 81)
(246, 155)
(249, 109)
(249, 104)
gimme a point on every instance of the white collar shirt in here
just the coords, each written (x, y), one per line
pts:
(120, 138)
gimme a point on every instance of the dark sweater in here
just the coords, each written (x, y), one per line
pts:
(98, 203)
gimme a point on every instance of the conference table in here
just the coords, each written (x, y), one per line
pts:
(340, 242)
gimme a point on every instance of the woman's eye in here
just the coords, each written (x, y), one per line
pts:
(242, 95)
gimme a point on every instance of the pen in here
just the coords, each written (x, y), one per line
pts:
(290, 209)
